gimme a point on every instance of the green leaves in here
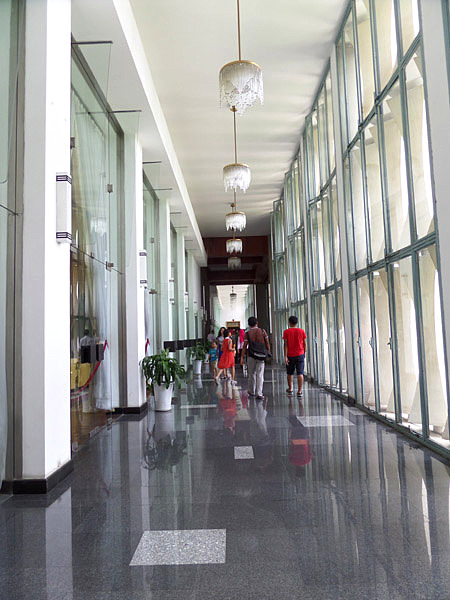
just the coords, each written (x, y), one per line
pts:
(162, 369)
(199, 351)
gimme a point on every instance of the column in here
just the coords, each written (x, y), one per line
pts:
(44, 430)
(134, 293)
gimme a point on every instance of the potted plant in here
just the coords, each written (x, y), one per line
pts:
(163, 372)
(199, 353)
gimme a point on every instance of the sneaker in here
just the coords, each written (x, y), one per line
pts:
(290, 392)
(260, 397)
(250, 395)
(300, 394)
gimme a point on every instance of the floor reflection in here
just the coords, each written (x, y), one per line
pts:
(331, 511)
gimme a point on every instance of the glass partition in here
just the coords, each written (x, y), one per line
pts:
(11, 22)
(96, 257)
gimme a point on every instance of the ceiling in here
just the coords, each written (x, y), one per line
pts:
(187, 43)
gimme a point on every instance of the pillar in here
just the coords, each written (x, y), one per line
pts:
(134, 293)
(44, 425)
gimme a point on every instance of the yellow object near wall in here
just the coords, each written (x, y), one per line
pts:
(74, 370)
(84, 372)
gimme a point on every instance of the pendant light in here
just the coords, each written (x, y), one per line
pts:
(240, 81)
(234, 244)
(236, 175)
(233, 295)
(234, 262)
(235, 220)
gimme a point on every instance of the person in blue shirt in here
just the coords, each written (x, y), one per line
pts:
(212, 358)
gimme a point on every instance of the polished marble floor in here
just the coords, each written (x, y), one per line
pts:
(228, 498)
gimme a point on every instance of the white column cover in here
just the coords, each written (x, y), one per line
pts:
(46, 264)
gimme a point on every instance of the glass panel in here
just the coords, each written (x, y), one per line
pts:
(335, 229)
(418, 140)
(365, 55)
(318, 337)
(356, 341)
(320, 248)
(366, 342)
(330, 131)
(150, 228)
(386, 39)
(298, 220)
(350, 80)
(322, 123)
(314, 247)
(407, 352)
(433, 346)
(397, 183)
(9, 36)
(326, 240)
(303, 323)
(309, 146)
(374, 195)
(359, 220)
(325, 341)
(409, 16)
(332, 340)
(383, 342)
(288, 204)
(349, 217)
(341, 340)
(315, 156)
(341, 84)
(96, 261)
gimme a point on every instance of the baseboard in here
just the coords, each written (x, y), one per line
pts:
(39, 486)
(131, 410)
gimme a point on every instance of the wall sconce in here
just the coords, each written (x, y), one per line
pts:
(63, 208)
(143, 268)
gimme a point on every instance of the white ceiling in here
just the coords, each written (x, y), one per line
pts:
(187, 42)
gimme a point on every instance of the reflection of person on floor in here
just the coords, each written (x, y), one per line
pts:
(260, 436)
(300, 453)
(228, 405)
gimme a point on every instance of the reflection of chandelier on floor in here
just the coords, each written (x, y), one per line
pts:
(236, 175)
(240, 81)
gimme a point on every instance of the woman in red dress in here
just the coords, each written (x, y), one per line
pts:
(227, 359)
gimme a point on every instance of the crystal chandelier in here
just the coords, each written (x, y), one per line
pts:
(240, 81)
(234, 245)
(236, 175)
(235, 220)
(234, 262)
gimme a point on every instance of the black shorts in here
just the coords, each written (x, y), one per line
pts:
(296, 363)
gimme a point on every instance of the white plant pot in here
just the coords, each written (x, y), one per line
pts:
(163, 397)
(197, 367)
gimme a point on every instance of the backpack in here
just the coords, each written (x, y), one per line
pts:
(256, 350)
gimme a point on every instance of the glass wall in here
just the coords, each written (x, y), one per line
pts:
(398, 340)
(388, 215)
(10, 21)
(152, 341)
(96, 256)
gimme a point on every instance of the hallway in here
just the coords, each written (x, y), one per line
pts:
(308, 500)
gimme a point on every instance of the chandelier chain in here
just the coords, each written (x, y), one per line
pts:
(239, 29)
(235, 138)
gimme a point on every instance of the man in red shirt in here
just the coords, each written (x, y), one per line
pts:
(294, 354)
